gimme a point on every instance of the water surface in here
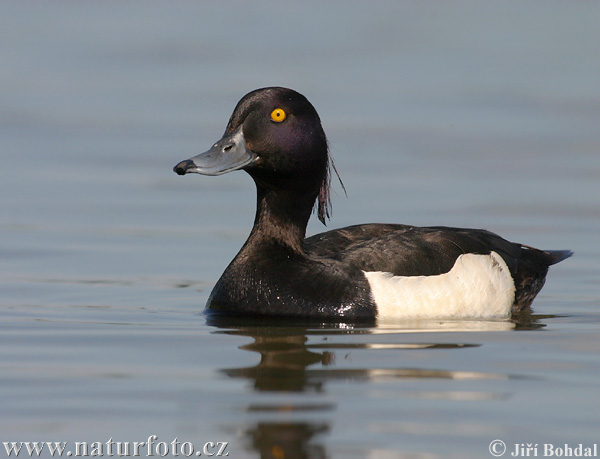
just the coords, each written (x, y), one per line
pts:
(464, 114)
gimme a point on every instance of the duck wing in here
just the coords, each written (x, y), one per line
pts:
(407, 250)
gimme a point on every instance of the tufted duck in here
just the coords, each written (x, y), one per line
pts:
(359, 272)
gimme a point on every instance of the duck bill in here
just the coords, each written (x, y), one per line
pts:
(228, 154)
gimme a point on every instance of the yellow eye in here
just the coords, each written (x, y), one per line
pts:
(278, 115)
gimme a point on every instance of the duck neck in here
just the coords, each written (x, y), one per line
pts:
(281, 217)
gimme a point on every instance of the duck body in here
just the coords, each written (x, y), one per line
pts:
(361, 272)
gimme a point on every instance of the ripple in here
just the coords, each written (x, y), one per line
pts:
(379, 346)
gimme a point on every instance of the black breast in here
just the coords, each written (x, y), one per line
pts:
(275, 281)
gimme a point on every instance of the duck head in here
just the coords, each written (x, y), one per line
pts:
(275, 135)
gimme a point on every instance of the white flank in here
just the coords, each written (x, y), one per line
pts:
(477, 286)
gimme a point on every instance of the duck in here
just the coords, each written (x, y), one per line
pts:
(369, 271)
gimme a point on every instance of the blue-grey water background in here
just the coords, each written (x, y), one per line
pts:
(476, 114)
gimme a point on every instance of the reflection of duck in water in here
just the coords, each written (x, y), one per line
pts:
(284, 354)
(283, 367)
(283, 440)
(359, 272)
(283, 362)
(303, 359)
(290, 363)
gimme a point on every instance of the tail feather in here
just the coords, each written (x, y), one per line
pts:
(558, 255)
(550, 257)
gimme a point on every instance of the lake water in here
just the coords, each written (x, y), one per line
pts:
(476, 114)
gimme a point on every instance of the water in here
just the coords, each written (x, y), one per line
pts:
(467, 114)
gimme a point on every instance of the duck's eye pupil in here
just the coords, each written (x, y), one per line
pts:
(278, 115)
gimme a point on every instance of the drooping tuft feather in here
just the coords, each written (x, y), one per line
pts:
(324, 198)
